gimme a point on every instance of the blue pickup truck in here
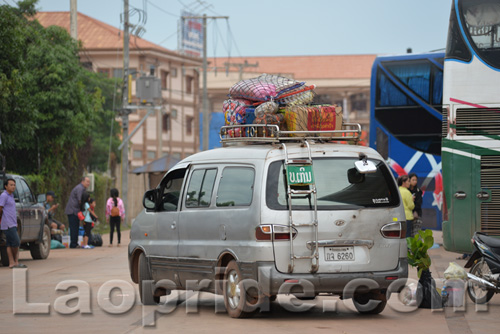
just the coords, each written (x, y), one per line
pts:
(32, 223)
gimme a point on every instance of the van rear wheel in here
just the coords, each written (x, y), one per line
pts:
(363, 301)
(239, 302)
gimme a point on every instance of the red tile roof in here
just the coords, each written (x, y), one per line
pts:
(95, 34)
(308, 67)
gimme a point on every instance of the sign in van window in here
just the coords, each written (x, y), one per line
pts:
(201, 185)
(236, 186)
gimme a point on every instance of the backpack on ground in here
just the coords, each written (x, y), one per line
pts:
(95, 240)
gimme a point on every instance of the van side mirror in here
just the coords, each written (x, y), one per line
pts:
(354, 176)
(150, 198)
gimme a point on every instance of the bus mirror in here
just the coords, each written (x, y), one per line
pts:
(365, 166)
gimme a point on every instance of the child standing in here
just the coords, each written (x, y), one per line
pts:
(92, 211)
(87, 222)
(115, 212)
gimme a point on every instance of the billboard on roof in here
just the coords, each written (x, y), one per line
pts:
(191, 35)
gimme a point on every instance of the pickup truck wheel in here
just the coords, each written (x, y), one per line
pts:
(4, 256)
(41, 250)
(146, 284)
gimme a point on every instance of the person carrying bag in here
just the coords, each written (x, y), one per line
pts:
(115, 213)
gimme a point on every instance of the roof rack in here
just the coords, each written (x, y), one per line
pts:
(264, 134)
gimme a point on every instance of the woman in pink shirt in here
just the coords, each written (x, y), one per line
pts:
(115, 213)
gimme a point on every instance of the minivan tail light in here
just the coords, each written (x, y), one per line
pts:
(274, 232)
(264, 233)
(396, 230)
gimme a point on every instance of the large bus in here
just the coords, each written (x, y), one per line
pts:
(471, 123)
(405, 124)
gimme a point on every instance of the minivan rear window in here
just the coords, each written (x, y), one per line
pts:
(339, 186)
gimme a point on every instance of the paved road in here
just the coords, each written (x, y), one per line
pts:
(40, 308)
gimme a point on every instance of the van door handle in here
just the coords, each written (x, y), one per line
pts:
(483, 195)
(173, 226)
(460, 195)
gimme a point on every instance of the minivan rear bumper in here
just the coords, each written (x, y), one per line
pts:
(273, 282)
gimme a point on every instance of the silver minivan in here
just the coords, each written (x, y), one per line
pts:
(275, 215)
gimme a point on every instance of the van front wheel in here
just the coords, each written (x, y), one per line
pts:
(146, 284)
(240, 302)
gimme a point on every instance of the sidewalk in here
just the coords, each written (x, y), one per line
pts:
(467, 319)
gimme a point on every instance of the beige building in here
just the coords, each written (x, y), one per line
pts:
(172, 129)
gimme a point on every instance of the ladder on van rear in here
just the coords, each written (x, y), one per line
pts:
(299, 174)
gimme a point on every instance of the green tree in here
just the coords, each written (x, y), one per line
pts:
(52, 115)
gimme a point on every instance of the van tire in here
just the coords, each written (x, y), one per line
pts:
(361, 300)
(40, 250)
(239, 303)
(146, 284)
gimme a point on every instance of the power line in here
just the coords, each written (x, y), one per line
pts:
(233, 39)
(161, 9)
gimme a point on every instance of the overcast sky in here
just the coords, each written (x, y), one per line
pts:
(285, 27)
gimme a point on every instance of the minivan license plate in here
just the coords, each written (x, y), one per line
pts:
(339, 253)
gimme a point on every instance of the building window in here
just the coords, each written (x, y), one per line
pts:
(133, 72)
(118, 73)
(176, 155)
(359, 102)
(189, 84)
(189, 125)
(87, 65)
(166, 122)
(164, 80)
(104, 71)
(137, 154)
(151, 155)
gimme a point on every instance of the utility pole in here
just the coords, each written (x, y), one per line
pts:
(205, 111)
(125, 110)
(73, 20)
(240, 66)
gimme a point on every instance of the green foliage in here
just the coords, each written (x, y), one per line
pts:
(417, 250)
(55, 115)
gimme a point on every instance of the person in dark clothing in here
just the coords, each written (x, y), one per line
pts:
(417, 195)
(115, 214)
(72, 209)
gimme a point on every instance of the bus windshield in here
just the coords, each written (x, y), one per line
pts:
(482, 25)
(483, 21)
